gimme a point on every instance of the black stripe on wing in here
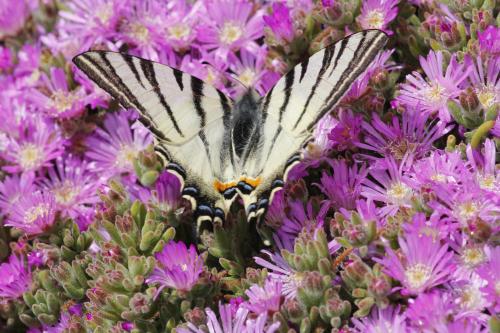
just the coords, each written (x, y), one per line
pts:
(111, 82)
(149, 72)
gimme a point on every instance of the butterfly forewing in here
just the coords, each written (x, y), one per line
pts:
(299, 99)
(189, 119)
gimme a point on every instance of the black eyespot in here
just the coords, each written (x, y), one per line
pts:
(252, 207)
(229, 193)
(263, 203)
(245, 188)
(190, 191)
(277, 183)
(205, 210)
(220, 213)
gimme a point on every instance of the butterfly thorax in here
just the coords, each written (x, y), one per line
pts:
(246, 120)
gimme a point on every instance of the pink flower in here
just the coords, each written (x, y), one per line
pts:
(177, 267)
(280, 24)
(13, 15)
(15, 278)
(378, 14)
(229, 26)
(432, 95)
(34, 214)
(423, 262)
(264, 299)
(115, 146)
(489, 40)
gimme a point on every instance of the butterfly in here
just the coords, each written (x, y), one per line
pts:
(220, 148)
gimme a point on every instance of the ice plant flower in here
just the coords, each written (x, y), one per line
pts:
(14, 188)
(392, 187)
(57, 100)
(388, 320)
(299, 217)
(490, 271)
(346, 134)
(34, 214)
(280, 24)
(73, 184)
(177, 267)
(378, 14)
(180, 29)
(489, 40)
(281, 271)
(37, 144)
(13, 15)
(167, 192)
(232, 321)
(229, 26)
(343, 187)
(485, 79)
(115, 146)
(431, 321)
(321, 143)
(264, 299)
(15, 278)
(440, 169)
(432, 95)
(91, 21)
(423, 263)
(411, 136)
(250, 70)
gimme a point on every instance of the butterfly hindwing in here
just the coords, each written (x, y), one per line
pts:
(189, 119)
(291, 109)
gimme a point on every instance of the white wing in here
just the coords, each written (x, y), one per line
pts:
(189, 119)
(294, 105)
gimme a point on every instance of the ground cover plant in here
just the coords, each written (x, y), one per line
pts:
(389, 224)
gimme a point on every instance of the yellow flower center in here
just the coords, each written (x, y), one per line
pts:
(434, 93)
(473, 257)
(30, 156)
(32, 214)
(375, 19)
(467, 210)
(399, 193)
(211, 76)
(139, 32)
(104, 13)
(417, 275)
(126, 156)
(179, 31)
(470, 297)
(247, 77)
(66, 193)
(487, 182)
(230, 33)
(63, 101)
(486, 96)
(184, 267)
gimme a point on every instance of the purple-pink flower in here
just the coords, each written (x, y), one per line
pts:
(34, 213)
(15, 278)
(378, 14)
(177, 267)
(229, 26)
(115, 146)
(489, 40)
(432, 95)
(264, 299)
(423, 263)
(387, 320)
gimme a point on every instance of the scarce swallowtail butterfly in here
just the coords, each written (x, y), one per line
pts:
(223, 149)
